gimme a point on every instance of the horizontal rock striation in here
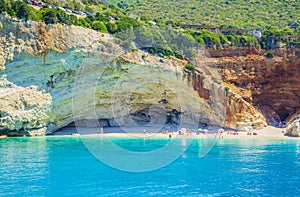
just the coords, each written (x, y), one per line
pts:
(77, 74)
(273, 83)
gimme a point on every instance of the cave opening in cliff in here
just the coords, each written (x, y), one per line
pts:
(141, 117)
(283, 114)
(156, 115)
(173, 117)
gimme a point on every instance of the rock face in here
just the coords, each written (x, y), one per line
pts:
(234, 109)
(24, 111)
(293, 123)
(273, 84)
(59, 74)
(35, 38)
(294, 128)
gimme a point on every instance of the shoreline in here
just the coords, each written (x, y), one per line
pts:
(268, 132)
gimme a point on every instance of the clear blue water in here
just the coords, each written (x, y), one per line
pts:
(62, 166)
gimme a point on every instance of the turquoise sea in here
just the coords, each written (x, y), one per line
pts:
(62, 166)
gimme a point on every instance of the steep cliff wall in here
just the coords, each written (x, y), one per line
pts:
(272, 83)
(80, 74)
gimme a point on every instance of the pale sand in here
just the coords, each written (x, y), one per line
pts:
(155, 132)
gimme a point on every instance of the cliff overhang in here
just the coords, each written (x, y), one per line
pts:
(51, 61)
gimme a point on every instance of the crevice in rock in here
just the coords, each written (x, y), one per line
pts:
(283, 114)
(173, 117)
(141, 117)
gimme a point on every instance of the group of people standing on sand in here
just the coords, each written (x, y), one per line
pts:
(219, 134)
(251, 133)
(166, 132)
(183, 131)
(232, 133)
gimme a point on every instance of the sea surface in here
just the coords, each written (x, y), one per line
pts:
(63, 166)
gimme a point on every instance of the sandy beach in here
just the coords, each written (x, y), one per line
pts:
(156, 132)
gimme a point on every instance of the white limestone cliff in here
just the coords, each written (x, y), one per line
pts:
(57, 74)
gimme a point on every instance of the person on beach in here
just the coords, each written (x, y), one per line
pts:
(188, 131)
(101, 130)
(183, 131)
(221, 135)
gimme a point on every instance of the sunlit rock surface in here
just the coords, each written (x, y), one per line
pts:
(24, 111)
(68, 73)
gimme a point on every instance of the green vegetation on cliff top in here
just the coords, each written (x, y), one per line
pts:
(261, 14)
(236, 13)
(101, 20)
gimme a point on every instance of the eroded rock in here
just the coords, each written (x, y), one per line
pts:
(294, 128)
(23, 111)
(71, 62)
